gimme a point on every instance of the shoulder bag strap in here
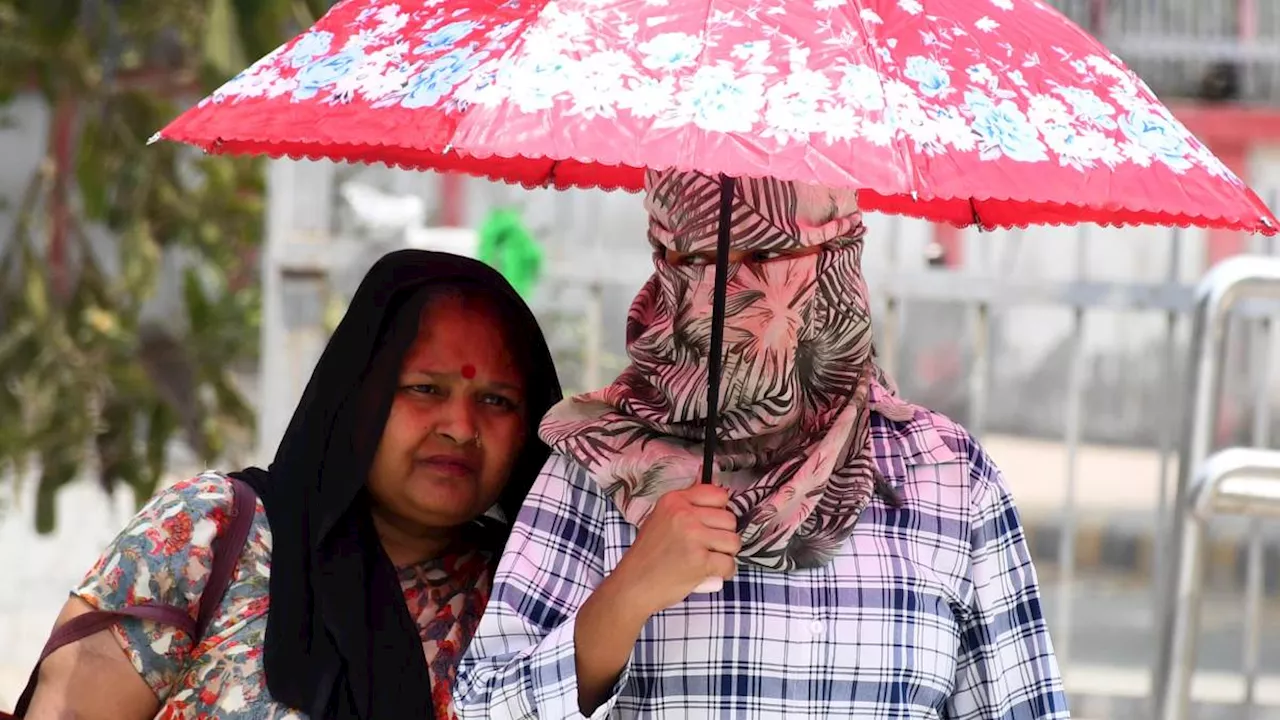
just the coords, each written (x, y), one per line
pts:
(227, 549)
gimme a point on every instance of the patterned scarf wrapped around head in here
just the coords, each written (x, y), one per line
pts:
(794, 432)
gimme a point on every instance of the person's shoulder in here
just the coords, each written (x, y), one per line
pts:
(930, 438)
(206, 492)
(566, 489)
(562, 471)
(171, 537)
(203, 505)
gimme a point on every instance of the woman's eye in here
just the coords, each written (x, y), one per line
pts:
(766, 255)
(694, 260)
(499, 401)
(423, 389)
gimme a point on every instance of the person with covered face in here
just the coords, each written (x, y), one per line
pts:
(372, 538)
(873, 561)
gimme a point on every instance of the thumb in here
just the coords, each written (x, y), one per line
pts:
(711, 496)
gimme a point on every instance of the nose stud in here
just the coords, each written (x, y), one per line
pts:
(473, 440)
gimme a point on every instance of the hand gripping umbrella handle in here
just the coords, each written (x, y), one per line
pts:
(713, 584)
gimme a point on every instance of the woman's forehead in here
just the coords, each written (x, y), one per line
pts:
(451, 306)
(767, 214)
(457, 331)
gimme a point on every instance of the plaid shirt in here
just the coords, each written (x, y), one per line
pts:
(931, 610)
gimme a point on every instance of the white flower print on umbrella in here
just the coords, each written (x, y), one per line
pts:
(670, 51)
(716, 98)
(308, 47)
(932, 79)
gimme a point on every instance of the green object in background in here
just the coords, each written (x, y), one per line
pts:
(507, 246)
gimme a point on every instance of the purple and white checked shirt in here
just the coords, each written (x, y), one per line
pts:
(930, 611)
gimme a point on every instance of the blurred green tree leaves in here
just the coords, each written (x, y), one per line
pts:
(99, 374)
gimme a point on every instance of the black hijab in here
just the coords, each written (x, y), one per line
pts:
(340, 644)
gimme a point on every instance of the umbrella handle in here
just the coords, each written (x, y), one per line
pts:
(717, 328)
(713, 584)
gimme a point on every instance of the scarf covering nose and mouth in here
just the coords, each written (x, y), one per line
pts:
(794, 431)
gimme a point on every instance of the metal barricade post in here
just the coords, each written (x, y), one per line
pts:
(1222, 289)
(1236, 481)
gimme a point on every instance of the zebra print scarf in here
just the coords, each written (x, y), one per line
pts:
(794, 433)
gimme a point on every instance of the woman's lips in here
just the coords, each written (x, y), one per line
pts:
(451, 465)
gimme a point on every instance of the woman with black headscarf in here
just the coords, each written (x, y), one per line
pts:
(371, 552)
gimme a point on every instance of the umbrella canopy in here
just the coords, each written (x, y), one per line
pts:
(996, 112)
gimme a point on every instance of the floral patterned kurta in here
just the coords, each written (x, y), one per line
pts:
(164, 556)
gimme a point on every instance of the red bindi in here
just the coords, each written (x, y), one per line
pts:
(469, 371)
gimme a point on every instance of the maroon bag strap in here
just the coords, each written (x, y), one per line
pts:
(227, 549)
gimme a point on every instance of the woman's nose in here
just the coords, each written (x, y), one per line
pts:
(458, 422)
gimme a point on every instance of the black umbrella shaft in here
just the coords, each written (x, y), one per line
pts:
(716, 352)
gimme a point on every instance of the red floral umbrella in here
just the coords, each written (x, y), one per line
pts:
(999, 112)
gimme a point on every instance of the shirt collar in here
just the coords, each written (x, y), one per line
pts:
(897, 446)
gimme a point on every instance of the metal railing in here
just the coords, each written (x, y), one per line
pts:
(1235, 481)
(1221, 50)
